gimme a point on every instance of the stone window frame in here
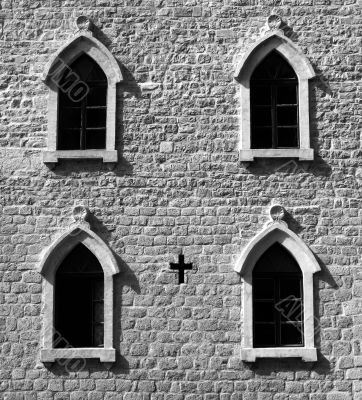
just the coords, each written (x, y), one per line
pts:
(83, 42)
(278, 231)
(51, 260)
(275, 41)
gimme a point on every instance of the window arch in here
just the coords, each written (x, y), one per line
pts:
(277, 240)
(271, 52)
(78, 255)
(82, 74)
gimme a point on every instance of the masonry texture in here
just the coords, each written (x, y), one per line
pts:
(178, 185)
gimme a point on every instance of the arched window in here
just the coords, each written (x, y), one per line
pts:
(79, 300)
(277, 270)
(82, 118)
(82, 77)
(274, 104)
(78, 271)
(277, 299)
(274, 92)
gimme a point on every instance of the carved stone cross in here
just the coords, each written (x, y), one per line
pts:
(181, 267)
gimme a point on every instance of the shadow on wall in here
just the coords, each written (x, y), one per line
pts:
(126, 285)
(317, 122)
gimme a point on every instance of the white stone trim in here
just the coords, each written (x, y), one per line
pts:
(301, 154)
(104, 355)
(107, 156)
(51, 260)
(82, 43)
(275, 40)
(308, 355)
(278, 232)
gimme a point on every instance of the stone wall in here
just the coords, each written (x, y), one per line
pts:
(179, 185)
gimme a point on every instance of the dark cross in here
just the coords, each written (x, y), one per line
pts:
(181, 267)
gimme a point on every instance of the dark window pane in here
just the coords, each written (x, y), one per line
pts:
(260, 95)
(69, 78)
(278, 274)
(261, 138)
(291, 334)
(87, 74)
(264, 335)
(87, 69)
(290, 309)
(98, 290)
(264, 311)
(290, 287)
(96, 118)
(80, 260)
(98, 311)
(65, 100)
(272, 67)
(261, 116)
(95, 139)
(287, 94)
(69, 139)
(287, 115)
(263, 288)
(274, 83)
(76, 311)
(277, 259)
(287, 137)
(97, 96)
(70, 117)
(285, 71)
(98, 335)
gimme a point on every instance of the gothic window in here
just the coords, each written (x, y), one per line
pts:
(274, 104)
(82, 118)
(277, 270)
(277, 299)
(79, 304)
(78, 271)
(274, 92)
(82, 78)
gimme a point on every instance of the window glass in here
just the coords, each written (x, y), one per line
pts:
(78, 115)
(277, 299)
(274, 104)
(79, 305)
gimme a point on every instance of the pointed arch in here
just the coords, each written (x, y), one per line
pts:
(284, 46)
(82, 43)
(275, 41)
(278, 232)
(56, 253)
(51, 260)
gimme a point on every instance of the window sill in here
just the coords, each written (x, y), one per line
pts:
(104, 355)
(107, 156)
(301, 154)
(307, 354)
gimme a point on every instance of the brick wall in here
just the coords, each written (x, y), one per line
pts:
(179, 185)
